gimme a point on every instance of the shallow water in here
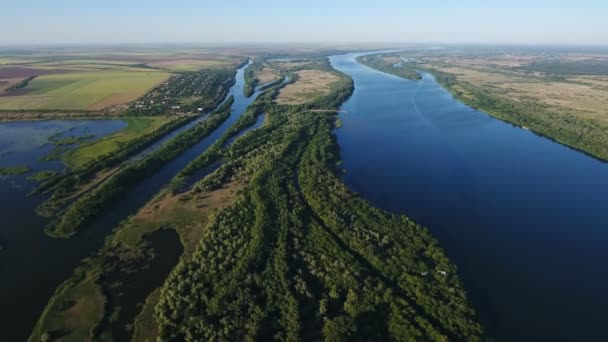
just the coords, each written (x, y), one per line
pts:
(523, 217)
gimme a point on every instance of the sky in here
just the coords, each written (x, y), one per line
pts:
(32, 22)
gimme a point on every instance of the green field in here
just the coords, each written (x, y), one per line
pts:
(136, 126)
(83, 90)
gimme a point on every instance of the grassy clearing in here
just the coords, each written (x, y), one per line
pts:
(83, 90)
(266, 75)
(187, 213)
(14, 170)
(310, 84)
(136, 126)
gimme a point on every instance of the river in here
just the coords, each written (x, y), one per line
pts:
(33, 265)
(522, 217)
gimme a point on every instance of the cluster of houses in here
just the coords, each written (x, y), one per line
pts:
(168, 94)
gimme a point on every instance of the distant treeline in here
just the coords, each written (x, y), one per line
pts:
(587, 67)
(20, 85)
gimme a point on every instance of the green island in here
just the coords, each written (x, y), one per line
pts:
(72, 140)
(274, 245)
(42, 175)
(14, 170)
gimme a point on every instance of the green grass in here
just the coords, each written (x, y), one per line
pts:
(14, 170)
(42, 175)
(83, 90)
(55, 154)
(72, 140)
(136, 126)
(338, 123)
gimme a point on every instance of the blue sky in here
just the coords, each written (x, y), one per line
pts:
(434, 21)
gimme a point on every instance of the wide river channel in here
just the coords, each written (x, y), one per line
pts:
(523, 217)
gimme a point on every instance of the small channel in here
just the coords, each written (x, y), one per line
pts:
(258, 123)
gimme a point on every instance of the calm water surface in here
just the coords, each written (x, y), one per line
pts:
(523, 217)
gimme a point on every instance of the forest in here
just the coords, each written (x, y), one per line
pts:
(585, 67)
(293, 254)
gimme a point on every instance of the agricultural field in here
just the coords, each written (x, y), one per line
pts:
(93, 90)
(183, 65)
(82, 80)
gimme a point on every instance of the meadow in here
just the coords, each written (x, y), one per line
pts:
(308, 85)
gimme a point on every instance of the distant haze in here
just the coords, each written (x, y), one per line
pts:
(31, 22)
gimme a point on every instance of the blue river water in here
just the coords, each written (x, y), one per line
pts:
(522, 217)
